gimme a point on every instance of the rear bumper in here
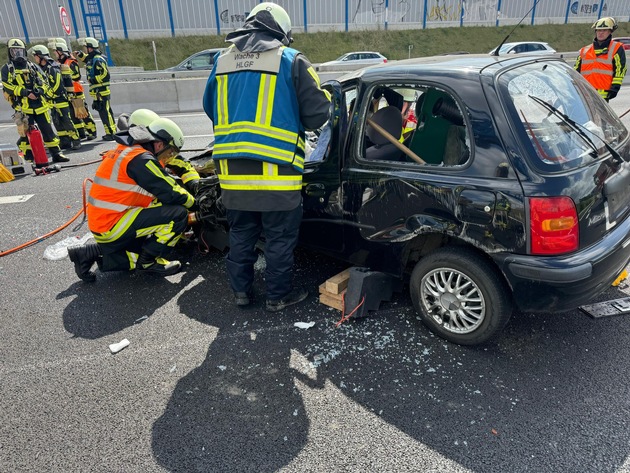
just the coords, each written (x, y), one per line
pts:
(545, 284)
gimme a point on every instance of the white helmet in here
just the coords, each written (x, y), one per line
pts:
(279, 15)
(607, 23)
(142, 117)
(166, 130)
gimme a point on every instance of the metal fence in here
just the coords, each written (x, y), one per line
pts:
(38, 19)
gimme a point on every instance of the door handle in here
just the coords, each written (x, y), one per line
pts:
(315, 190)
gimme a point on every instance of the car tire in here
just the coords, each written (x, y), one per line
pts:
(460, 296)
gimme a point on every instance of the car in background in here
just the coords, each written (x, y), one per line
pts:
(625, 41)
(524, 47)
(201, 61)
(353, 60)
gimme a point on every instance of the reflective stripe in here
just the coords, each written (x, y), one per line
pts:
(245, 147)
(266, 94)
(120, 228)
(222, 105)
(251, 127)
(107, 205)
(119, 185)
(279, 183)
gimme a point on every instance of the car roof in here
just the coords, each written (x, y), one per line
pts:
(453, 65)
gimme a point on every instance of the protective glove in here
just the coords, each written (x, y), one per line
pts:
(611, 94)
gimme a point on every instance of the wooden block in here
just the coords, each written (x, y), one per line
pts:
(331, 302)
(322, 290)
(338, 282)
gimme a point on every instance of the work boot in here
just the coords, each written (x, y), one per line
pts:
(243, 299)
(60, 158)
(297, 294)
(159, 266)
(76, 144)
(65, 143)
(107, 137)
(89, 136)
(83, 257)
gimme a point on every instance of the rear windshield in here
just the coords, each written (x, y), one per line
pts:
(560, 117)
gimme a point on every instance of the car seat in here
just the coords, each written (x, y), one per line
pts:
(390, 119)
(435, 140)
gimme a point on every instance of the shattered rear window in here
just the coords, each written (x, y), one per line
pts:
(563, 121)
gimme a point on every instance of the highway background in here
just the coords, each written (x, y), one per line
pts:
(206, 387)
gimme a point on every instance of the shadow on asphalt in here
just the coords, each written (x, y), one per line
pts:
(524, 403)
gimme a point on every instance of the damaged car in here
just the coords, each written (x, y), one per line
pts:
(489, 183)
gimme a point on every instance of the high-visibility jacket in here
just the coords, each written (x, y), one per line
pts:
(598, 70)
(59, 82)
(113, 192)
(257, 114)
(18, 83)
(97, 74)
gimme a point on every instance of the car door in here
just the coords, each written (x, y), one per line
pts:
(322, 220)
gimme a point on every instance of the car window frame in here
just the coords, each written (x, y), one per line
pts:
(361, 128)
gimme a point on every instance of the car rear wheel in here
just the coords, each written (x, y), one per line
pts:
(460, 296)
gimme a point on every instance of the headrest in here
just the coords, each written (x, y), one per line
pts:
(390, 119)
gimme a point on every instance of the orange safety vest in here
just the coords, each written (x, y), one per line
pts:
(113, 192)
(598, 70)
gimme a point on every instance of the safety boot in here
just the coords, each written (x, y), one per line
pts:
(297, 294)
(157, 265)
(59, 158)
(76, 144)
(84, 257)
(108, 137)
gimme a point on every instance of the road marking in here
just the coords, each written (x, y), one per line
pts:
(15, 199)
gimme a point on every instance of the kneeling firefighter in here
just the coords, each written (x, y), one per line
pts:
(135, 210)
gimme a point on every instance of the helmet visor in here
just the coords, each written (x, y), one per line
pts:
(17, 52)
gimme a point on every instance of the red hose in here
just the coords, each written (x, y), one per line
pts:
(57, 230)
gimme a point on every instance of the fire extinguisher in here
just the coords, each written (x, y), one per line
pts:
(40, 159)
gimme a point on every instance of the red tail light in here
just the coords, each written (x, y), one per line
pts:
(554, 225)
(384, 60)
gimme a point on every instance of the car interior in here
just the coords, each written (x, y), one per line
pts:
(439, 137)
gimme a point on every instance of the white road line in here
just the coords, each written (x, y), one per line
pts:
(14, 199)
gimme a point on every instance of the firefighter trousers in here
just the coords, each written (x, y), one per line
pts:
(280, 229)
(152, 230)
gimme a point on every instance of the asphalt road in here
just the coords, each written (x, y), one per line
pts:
(209, 388)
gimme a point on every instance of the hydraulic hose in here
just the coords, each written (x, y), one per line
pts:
(57, 230)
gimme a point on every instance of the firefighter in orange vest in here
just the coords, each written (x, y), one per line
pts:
(603, 63)
(136, 211)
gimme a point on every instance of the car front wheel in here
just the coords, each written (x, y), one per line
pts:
(460, 296)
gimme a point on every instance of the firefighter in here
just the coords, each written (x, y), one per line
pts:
(603, 63)
(26, 88)
(136, 211)
(80, 113)
(259, 148)
(178, 165)
(98, 77)
(59, 84)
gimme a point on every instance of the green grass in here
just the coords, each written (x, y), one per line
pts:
(394, 44)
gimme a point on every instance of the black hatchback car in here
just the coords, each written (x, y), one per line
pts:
(510, 189)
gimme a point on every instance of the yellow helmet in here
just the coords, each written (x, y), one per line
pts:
(142, 117)
(607, 23)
